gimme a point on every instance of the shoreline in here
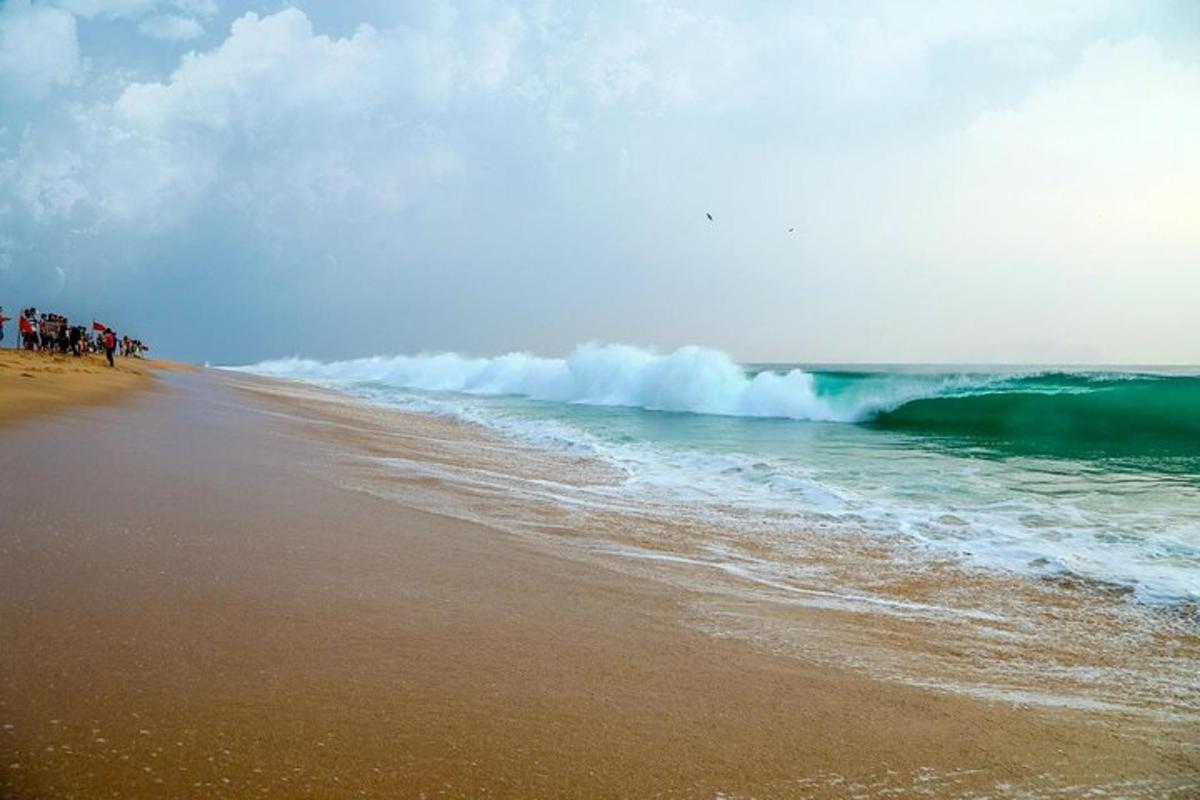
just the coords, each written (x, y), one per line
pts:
(1062, 476)
(243, 608)
(887, 607)
(34, 383)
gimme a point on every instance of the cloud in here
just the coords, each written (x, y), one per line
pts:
(274, 122)
(1100, 159)
(44, 180)
(275, 115)
(268, 67)
(481, 171)
(38, 47)
(135, 9)
(302, 108)
(171, 27)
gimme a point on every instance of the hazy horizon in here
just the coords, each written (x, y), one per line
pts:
(916, 366)
(890, 182)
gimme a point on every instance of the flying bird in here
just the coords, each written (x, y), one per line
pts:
(710, 219)
(791, 230)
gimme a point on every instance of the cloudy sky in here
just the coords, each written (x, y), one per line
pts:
(890, 181)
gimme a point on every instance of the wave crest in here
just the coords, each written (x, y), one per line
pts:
(1051, 412)
(691, 379)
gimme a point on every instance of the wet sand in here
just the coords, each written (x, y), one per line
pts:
(41, 383)
(195, 602)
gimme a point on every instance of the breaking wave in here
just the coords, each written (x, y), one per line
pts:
(691, 379)
(1062, 413)
(1109, 493)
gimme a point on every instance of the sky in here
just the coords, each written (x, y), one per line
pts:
(958, 181)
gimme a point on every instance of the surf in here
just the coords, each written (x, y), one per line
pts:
(1064, 413)
(1069, 415)
(691, 379)
(1093, 473)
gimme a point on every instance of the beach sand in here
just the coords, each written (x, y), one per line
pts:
(198, 599)
(38, 383)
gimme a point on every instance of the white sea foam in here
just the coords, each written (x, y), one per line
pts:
(690, 379)
(990, 512)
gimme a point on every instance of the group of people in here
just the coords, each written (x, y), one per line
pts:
(54, 333)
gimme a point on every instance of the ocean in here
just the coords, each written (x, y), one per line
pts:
(1088, 473)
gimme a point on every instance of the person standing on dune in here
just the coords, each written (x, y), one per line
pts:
(3, 319)
(110, 344)
(28, 332)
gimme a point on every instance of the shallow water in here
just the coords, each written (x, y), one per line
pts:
(1085, 473)
(884, 603)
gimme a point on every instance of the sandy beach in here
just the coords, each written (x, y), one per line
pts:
(40, 383)
(713, 401)
(210, 590)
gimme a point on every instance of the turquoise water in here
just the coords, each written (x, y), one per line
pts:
(1094, 473)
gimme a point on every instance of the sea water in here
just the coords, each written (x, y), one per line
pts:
(1088, 472)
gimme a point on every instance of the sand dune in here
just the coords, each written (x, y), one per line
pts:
(33, 383)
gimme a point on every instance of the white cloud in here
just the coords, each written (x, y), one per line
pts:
(275, 92)
(46, 180)
(497, 44)
(505, 141)
(667, 58)
(276, 120)
(268, 69)
(171, 27)
(38, 46)
(935, 22)
(174, 20)
(1101, 160)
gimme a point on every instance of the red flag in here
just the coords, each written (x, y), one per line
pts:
(99, 326)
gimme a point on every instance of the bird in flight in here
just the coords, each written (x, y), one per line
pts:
(710, 219)
(791, 230)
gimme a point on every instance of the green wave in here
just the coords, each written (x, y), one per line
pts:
(1067, 414)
